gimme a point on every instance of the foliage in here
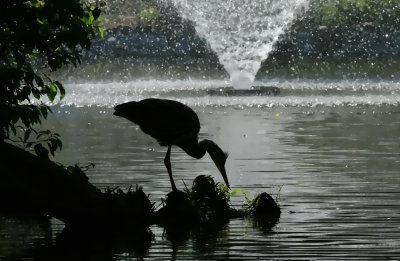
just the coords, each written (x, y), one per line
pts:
(149, 14)
(356, 12)
(52, 33)
(50, 139)
(131, 207)
(239, 191)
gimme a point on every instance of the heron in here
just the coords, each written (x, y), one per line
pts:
(172, 123)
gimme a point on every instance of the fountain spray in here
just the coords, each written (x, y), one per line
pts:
(241, 32)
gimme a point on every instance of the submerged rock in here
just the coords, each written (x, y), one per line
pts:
(264, 206)
(176, 212)
(210, 199)
(265, 211)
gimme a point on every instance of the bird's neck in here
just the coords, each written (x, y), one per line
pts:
(199, 150)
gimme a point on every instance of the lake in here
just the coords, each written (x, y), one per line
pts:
(328, 151)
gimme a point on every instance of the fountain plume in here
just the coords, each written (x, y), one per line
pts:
(241, 32)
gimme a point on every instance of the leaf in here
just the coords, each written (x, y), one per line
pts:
(52, 92)
(61, 88)
(96, 13)
(87, 19)
(36, 93)
(235, 191)
(12, 127)
(101, 32)
(27, 134)
(43, 133)
(52, 146)
(59, 142)
(26, 90)
(39, 81)
(44, 110)
(238, 191)
(53, 88)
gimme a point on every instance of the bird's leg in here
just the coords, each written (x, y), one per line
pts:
(167, 163)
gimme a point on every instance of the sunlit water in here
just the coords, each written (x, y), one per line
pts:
(329, 151)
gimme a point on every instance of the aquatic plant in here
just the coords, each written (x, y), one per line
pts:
(210, 199)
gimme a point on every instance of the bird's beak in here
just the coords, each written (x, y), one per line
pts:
(116, 112)
(221, 169)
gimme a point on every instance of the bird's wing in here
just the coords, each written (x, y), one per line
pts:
(168, 120)
(164, 120)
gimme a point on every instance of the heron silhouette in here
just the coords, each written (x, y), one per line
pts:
(172, 123)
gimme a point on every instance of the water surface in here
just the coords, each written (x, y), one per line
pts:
(329, 153)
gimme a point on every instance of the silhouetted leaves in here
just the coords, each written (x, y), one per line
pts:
(51, 32)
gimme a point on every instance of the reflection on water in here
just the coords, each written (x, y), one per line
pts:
(335, 170)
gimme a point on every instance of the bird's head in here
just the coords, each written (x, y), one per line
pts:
(126, 110)
(218, 156)
(121, 109)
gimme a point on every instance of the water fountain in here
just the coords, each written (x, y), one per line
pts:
(170, 62)
(241, 33)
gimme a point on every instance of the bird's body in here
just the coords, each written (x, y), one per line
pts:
(165, 120)
(172, 123)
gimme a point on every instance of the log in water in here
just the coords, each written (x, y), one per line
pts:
(254, 91)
